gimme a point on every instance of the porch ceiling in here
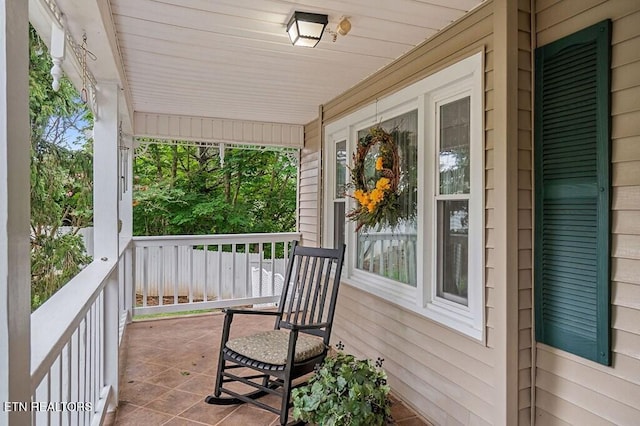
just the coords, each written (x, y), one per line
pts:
(232, 59)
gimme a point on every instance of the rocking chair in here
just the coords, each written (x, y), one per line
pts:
(299, 340)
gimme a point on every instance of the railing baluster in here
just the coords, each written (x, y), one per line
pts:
(132, 291)
(54, 380)
(60, 385)
(205, 268)
(176, 273)
(247, 275)
(190, 274)
(233, 270)
(273, 264)
(82, 363)
(100, 344)
(69, 363)
(220, 272)
(75, 375)
(161, 280)
(90, 355)
(145, 281)
(260, 254)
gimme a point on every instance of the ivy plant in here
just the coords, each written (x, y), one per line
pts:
(344, 391)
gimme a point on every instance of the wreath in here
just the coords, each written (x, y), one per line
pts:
(379, 195)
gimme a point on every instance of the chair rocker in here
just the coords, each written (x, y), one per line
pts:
(271, 360)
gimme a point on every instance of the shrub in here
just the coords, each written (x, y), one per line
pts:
(344, 391)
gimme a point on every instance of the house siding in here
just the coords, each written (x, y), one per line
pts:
(446, 377)
(309, 186)
(569, 389)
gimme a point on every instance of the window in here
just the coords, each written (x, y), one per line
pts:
(431, 262)
(335, 194)
(453, 200)
(573, 193)
(339, 193)
(391, 253)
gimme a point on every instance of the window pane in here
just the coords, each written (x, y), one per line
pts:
(453, 250)
(341, 168)
(391, 252)
(454, 147)
(338, 227)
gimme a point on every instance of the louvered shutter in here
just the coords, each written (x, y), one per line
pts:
(572, 186)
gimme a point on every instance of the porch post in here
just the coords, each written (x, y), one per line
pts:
(105, 220)
(505, 79)
(126, 218)
(15, 276)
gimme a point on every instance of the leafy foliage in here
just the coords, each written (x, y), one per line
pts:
(61, 177)
(344, 391)
(184, 190)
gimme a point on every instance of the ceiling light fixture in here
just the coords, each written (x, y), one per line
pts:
(305, 29)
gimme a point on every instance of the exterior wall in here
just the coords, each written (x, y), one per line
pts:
(448, 378)
(570, 390)
(309, 197)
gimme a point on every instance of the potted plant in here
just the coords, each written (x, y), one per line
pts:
(344, 391)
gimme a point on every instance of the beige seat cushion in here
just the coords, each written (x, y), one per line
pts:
(271, 346)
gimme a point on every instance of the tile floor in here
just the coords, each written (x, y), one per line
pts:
(170, 369)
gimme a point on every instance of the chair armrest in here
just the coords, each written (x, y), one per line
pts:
(304, 326)
(232, 311)
(228, 319)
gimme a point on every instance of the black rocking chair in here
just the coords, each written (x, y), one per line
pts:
(299, 340)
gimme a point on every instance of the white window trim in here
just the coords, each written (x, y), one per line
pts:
(464, 78)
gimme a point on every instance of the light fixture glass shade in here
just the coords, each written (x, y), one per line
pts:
(305, 29)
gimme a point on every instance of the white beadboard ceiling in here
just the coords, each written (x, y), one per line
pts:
(232, 59)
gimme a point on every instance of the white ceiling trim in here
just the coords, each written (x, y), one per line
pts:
(217, 130)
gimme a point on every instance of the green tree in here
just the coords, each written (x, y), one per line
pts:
(185, 190)
(61, 177)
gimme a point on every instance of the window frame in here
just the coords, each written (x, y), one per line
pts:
(464, 78)
(330, 197)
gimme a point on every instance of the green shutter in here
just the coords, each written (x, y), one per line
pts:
(572, 181)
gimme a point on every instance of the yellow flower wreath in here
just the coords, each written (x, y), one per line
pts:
(377, 204)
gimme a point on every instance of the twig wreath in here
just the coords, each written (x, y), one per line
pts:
(378, 196)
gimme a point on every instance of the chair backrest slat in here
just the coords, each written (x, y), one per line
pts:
(323, 298)
(310, 280)
(318, 293)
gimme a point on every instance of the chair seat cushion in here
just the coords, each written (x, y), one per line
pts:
(271, 346)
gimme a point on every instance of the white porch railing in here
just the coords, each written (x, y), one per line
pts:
(179, 273)
(72, 354)
(76, 334)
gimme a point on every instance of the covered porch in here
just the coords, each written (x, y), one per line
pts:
(473, 331)
(217, 74)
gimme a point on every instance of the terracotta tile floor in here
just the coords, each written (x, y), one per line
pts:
(170, 369)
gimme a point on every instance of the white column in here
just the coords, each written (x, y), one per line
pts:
(126, 182)
(15, 276)
(126, 220)
(105, 218)
(105, 173)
